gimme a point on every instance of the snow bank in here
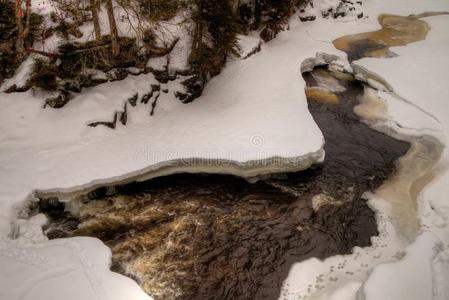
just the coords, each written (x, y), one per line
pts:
(61, 269)
(252, 119)
(410, 278)
(245, 124)
(422, 274)
(415, 98)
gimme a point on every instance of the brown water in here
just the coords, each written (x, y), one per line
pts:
(203, 236)
(395, 31)
(321, 95)
(220, 237)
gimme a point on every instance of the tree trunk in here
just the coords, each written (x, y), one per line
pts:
(26, 31)
(234, 6)
(257, 13)
(94, 10)
(22, 32)
(20, 44)
(113, 26)
(198, 34)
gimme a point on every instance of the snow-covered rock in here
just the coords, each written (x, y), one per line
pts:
(158, 64)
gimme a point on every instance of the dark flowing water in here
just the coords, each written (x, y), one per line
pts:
(220, 237)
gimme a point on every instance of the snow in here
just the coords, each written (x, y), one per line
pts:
(42, 7)
(95, 74)
(159, 63)
(410, 278)
(251, 119)
(249, 44)
(425, 84)
(415, 98)
(340, 277)
(179, 28)
(319, 9)
(21, 75)
(61, 269)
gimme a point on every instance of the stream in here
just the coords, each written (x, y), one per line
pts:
(395, 31)
(200, 236)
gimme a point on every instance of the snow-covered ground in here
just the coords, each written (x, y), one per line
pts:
(254, 111)
(391, 269)
(419, 74)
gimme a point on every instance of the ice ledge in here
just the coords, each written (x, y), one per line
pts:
(249, 170)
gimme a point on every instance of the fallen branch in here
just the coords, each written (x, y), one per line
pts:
(89, 49)
(47, 54)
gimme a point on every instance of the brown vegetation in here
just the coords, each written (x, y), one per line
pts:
(216, 24)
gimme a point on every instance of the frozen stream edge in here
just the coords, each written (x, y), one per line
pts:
(395, 203)
(251, 169)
